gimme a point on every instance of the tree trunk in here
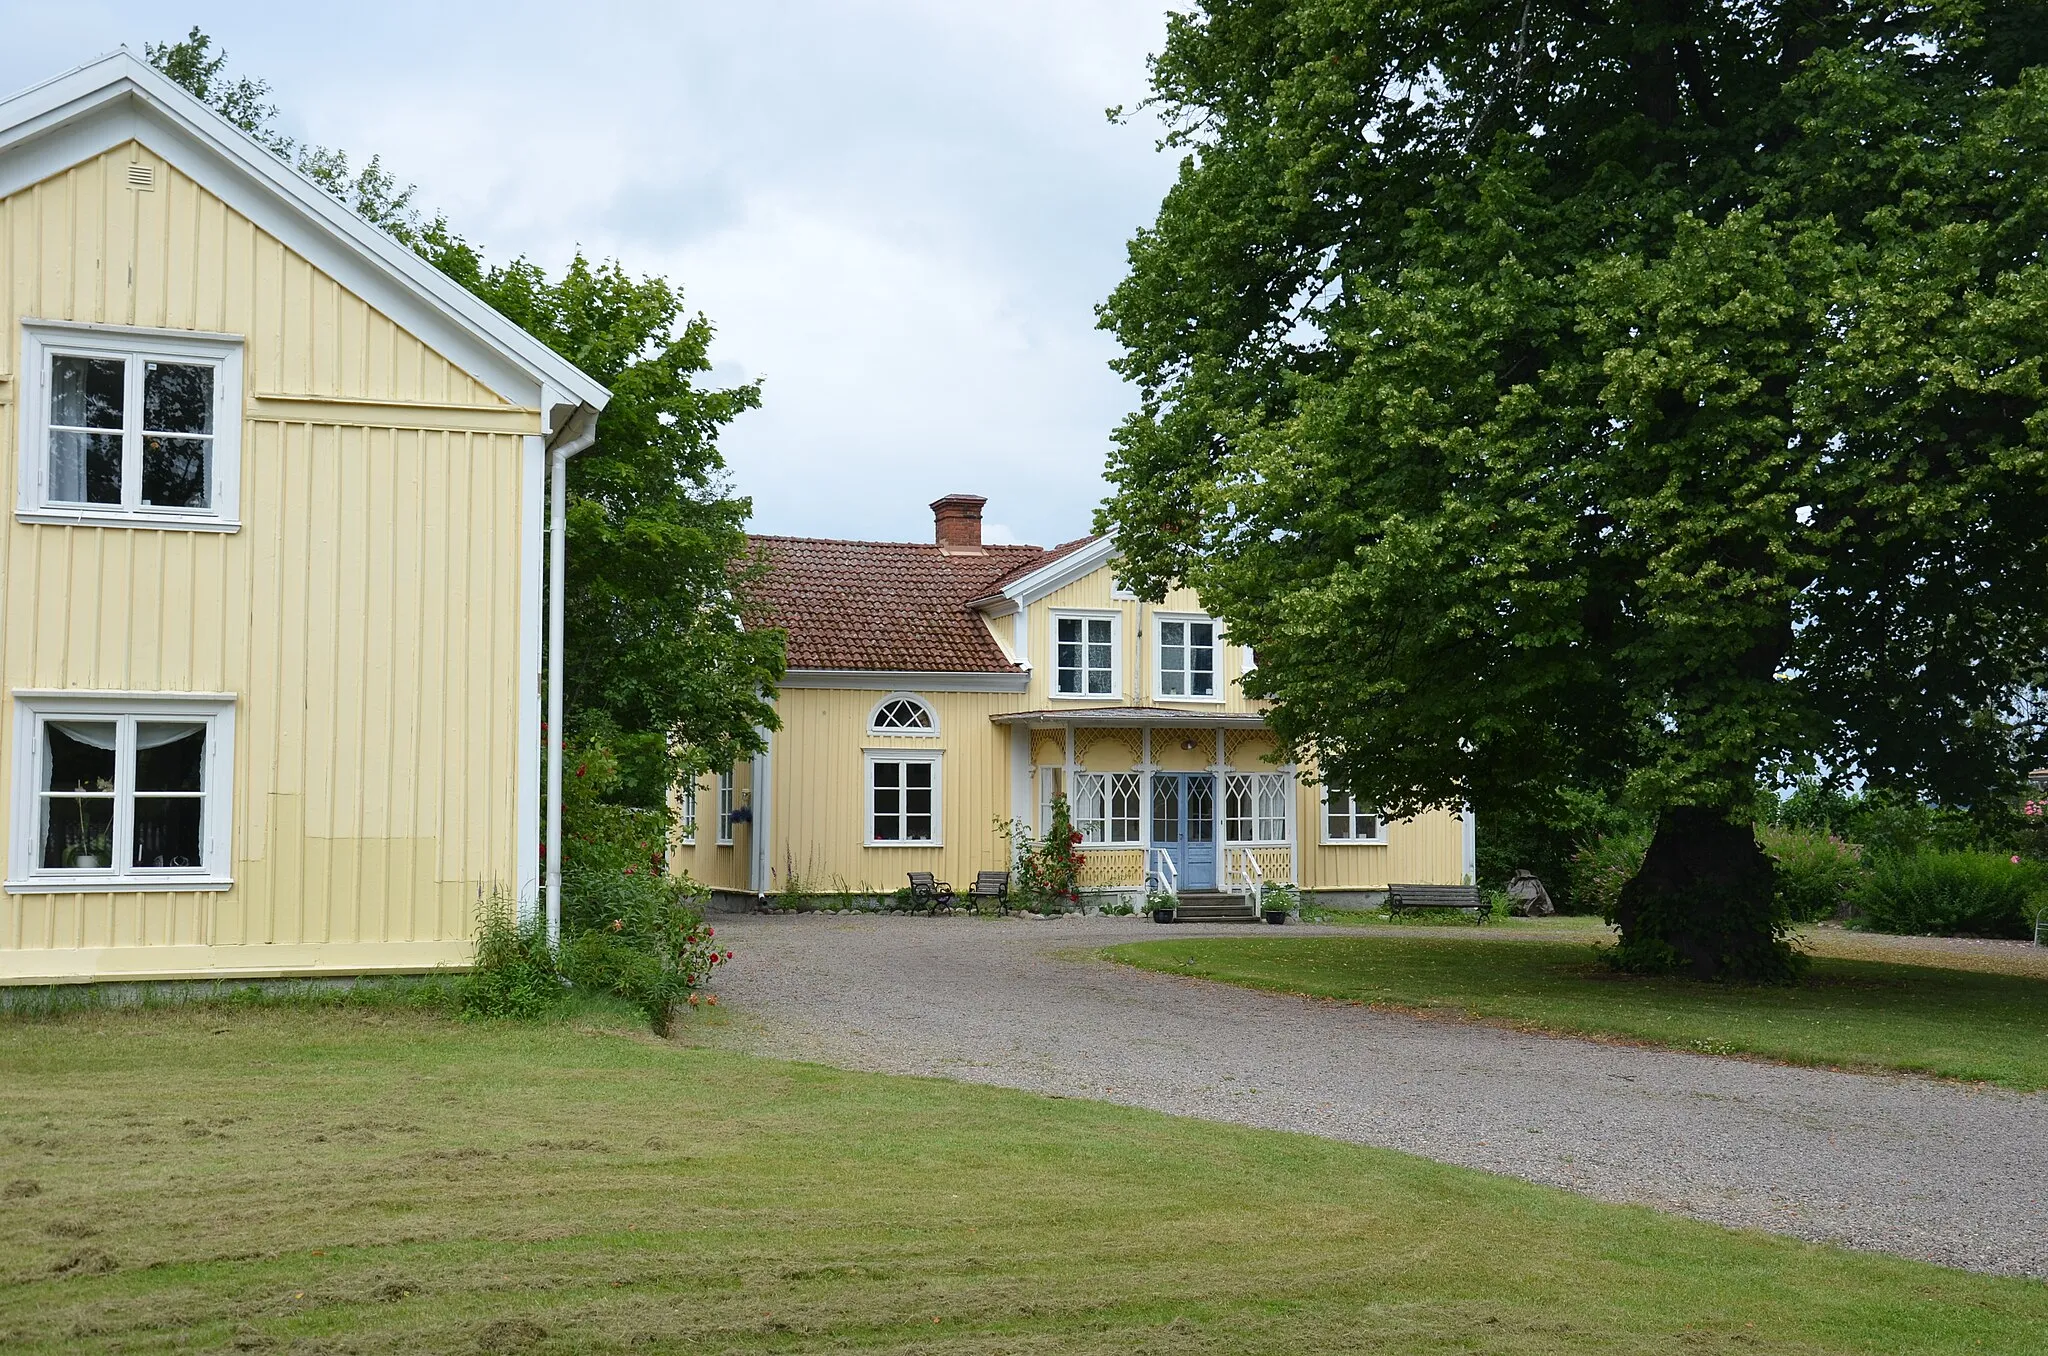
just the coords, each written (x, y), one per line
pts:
(1703, 904)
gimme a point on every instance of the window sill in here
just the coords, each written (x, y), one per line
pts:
(905, 843)
(1354, 842)
(1189, 701)
(162, 522)
(108, 885)
(1099, 698)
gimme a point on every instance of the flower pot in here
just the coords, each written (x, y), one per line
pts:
(86, 861)
(1162, 915)
(1276, 916)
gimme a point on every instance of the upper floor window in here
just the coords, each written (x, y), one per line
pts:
(1187, 658)
(903, 715)
(129, 427)
(124, 792)
(1084, 658)
(1346, 821)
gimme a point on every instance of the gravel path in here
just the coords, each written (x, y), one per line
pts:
(1924, 1169)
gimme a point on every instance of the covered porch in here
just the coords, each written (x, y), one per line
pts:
(1165, 799)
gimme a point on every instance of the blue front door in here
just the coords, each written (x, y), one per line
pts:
(1184, 825)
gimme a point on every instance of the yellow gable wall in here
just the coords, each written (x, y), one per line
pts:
(1137, 624)
(366, 614)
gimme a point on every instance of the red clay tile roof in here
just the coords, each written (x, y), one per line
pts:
(887, 604)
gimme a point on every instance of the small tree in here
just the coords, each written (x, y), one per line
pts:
(1048, 869)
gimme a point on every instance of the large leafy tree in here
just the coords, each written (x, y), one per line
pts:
(1607, 396)
(659, 666)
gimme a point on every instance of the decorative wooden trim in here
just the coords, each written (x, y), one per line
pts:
(410, 414)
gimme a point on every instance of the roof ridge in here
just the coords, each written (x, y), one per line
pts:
(922, 545)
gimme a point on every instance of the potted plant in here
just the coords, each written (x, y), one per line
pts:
(1160, 904)
(93, 850)
(1277, 903)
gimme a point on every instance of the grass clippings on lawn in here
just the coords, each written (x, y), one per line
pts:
(390, 1181)
(1856, 1014)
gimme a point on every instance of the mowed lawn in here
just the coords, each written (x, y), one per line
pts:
(1851, 1013)
(297, 1179)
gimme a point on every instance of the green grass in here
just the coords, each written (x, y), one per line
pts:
(376, 1179)
(1849, 1013)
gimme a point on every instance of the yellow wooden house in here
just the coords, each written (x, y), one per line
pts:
(271, 618)
(937, 690)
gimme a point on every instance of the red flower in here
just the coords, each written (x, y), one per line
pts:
(579, 769)
(1074, 837)
(709, 933)
(631, 869)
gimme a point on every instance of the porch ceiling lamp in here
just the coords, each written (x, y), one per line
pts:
(1188, 744)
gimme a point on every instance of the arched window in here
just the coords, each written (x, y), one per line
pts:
(902, 713)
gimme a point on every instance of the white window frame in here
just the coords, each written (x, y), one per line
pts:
(686, 811)
(931, 714)
(43, 340)
(1095, 797)
(1116, 654)
(725, 800)
(1258, 787)
(1051, 782)
(216, 832)
(937, 759)
(1323, 819)
(1217, 649)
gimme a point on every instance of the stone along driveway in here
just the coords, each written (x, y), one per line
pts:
(1925, 1169)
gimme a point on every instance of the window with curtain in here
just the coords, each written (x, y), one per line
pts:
(123, 794)
(1107, 807)
(1187, 658)
(1255, 807)
(1085, 656)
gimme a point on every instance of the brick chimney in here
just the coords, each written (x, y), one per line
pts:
(956, 520)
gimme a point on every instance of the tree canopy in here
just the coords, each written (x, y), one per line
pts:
(658, 664)
(1638, 395)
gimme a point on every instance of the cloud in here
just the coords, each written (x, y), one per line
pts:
(899, 213)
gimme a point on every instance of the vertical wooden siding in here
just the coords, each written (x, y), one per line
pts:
(365, 615)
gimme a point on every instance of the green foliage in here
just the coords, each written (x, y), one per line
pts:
(1818, 874)
(1980, 894)
(514, 974)
(1603, 396)
(1161, 901)
(1603, 866)
(660, 667)
(1283, 897)
(1046, 875)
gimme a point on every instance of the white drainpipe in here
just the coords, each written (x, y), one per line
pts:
(578, 433)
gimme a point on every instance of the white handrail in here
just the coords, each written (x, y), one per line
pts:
(1165, 871)
(1249, 871)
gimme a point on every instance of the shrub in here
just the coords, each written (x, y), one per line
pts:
(514, 974)
(639, 936)
(1972, 894)
(1818, 873)
(1047, 877)
(1603, 866)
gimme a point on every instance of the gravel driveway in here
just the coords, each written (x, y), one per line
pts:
(1907, 1165)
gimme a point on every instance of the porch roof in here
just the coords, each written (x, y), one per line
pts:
(1132, 715)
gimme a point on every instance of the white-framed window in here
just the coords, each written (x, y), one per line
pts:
(130, 427)
(1086, 657)
(686, 811)
(1186, 662)
(1255, 807)
(903, 713)
(725, 808)
(1347, 822)
(122, 791)
(1108, 806)
(903, 798)
(1052, 781)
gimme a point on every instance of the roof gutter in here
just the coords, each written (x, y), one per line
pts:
(577, 432)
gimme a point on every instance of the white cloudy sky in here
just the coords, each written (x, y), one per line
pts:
(900, 213)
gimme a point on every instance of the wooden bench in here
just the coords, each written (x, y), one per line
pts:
(993, 885)
(1406, 897)
(929, 891)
